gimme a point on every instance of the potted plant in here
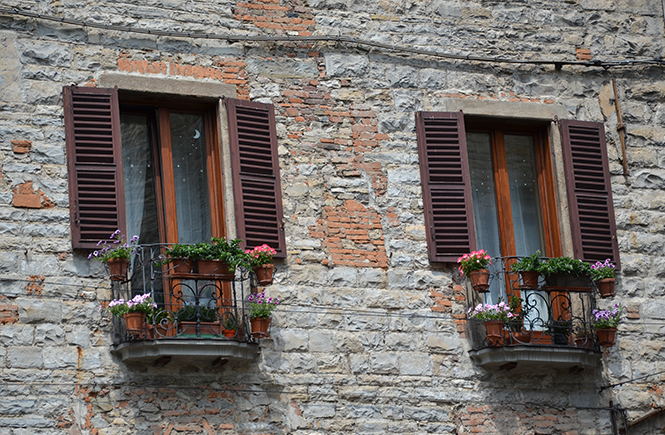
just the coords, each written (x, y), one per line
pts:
(529, 270)
(474, 266)
(260, 313)
(583, 335)
(159, 322)
(133, 311)
(494, 317)
(515, 322)
(116, 253)
(560, 330)
(260, 259)
(603, 275)
(605, 323)
(179, 256)
(568, 273)
(221, 257)
(190, 317)
(229, 325)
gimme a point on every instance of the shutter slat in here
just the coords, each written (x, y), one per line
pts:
(255, 167)
(92, 127)
(589, 191)
(445, 184)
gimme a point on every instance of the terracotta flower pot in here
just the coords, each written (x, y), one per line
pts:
(229, 333)
(207, 328)
(570, 281)
(264, 273)
(215, 269)
(181, 267)
(584, 342)
(606, 287)
(494, 330)
(134, 322)
(118, 268)
(606, 336)
(260, 326)
(480, 279)
(529, 279)
(520, 338)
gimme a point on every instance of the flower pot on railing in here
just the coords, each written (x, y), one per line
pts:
(229, 333)
(260, 326)
(606, 336)
(606, 287)
(517, 338)
(480, 279)
(181, 267)
(570, 281)
(207, 328)
(118, 268)
(583, 341)
(494, 332)
(529, 279)
(134, 323)
(264, 274)
(216, 269)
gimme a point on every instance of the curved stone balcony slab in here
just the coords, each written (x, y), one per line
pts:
(163, 351)
(534, 356)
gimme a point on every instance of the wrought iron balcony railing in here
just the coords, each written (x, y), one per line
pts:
(554, 314)
(190, 306)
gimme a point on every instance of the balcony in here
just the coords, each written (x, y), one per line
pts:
(557, 329)
(199, 318)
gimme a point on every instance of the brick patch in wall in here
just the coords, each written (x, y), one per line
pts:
(26, 197)
(229, 71)
(583, 53)
(353, 235)
(272, 16)
(8, 312)
(35, 285)
(21, 146)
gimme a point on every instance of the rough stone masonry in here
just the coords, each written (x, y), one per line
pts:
(371, 337)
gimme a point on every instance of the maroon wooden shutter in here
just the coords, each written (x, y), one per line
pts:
(257, 190)
(92, 131)
(444, 172)
(589, 191)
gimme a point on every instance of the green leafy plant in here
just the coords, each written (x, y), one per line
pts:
(561, 265)
(516, 321)
(560, 326)
(260, 306)
(193, 313)
(603, 270)
(532, 263)
(217, 249)
(230, 322)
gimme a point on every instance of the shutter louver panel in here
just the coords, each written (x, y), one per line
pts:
(92, 126)
(256, 184)
(445, 182)
(589, 191)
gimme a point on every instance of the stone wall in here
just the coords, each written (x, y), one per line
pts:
(370, 337)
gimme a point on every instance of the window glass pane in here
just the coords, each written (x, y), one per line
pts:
(139, 177)
(521, 159)
(140, 194)
(485, 216)
(190, 178)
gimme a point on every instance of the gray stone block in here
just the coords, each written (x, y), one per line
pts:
(37, 311)
(24, 357)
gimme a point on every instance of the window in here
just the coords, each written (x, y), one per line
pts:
(153, 167)
(491, 185)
